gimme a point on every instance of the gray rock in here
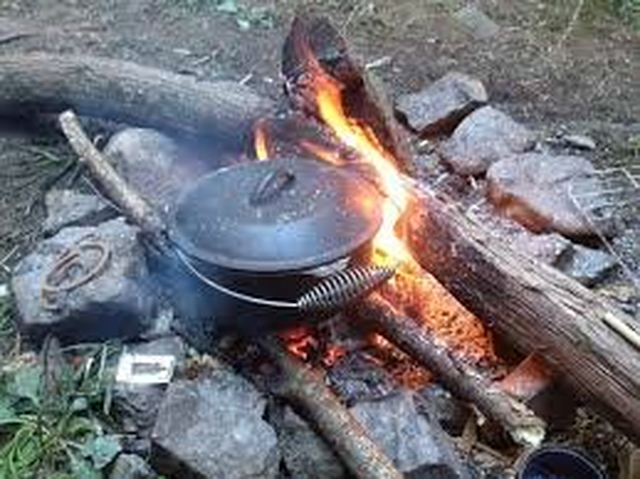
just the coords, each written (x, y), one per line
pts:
(589, 266)
(439, 404)
(485, 136)
(306, 455)
(4, 291)
(117, 302)
(548, 248)
(213, 427)
(135, 406)
(418, 448)
(534, 189)
(477, 22)
(131, 466)
(581, 142)
(152, 163)
(439, 108)
(72, 208)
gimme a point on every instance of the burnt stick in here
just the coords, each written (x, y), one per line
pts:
(306, 390)
(461, 379)
(133, 205)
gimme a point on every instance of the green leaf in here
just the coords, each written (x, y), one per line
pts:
(80, 426)
(227, 6)
(102, 450)
(7, 414)
(25, 384)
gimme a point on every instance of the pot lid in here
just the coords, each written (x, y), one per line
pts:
(276, 215)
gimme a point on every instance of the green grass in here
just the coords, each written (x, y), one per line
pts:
(54, 415)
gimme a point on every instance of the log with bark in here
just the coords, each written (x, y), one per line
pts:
(533, 306)
(126, 92)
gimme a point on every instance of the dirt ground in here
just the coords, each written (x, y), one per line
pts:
(541, 66)
(546, 69)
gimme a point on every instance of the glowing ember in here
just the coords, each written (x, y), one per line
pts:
(303, 343)
(321, 152)
(299, 341)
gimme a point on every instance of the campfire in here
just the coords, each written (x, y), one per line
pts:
(356, 146)
(321, 246)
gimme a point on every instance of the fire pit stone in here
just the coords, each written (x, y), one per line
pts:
(115, 298)
(589, 266)
(213, 427)
(135, 406)
(549, 248)
(439, 404)
(72, 208)
(419, 448)
(534, 189)
(438, 108)
(484, 137)
(154, 164)
(306, 455)
(131, 466)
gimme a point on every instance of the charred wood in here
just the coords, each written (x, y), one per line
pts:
(534, 307)
(314, 49)
(461, 379)
(305, 389)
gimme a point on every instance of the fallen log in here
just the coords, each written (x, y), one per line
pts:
(462, 380)
(535, 307)
(126, 92)
(298, 384)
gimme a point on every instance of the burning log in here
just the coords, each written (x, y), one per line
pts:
(535, 307)
(298, 384)
(307, 390)
(127, 92)
(462, 380)
(314, 50)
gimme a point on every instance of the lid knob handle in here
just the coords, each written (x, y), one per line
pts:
(272, 185)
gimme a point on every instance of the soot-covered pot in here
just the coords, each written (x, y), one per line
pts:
(270, 243)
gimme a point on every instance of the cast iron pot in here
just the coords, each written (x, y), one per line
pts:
(255, 237)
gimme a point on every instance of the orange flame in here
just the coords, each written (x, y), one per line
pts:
(321, 152)
(329, 101)
(260, 141)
